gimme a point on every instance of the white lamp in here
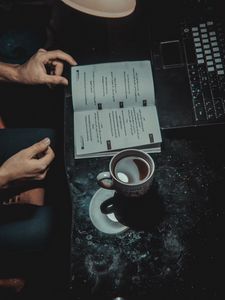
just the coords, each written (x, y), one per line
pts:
(103, 8)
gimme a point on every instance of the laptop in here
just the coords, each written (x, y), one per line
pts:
(188, 62)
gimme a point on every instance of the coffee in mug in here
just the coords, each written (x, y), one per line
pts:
(130, 173)
(131, 170)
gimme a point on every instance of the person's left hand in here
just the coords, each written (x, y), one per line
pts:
(31, 163)
(34, 71)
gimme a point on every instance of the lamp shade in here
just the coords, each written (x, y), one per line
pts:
(103, 8)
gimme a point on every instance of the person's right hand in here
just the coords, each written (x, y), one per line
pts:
(31, 163)
(34, 70)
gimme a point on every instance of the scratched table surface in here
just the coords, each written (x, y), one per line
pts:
(175, 242)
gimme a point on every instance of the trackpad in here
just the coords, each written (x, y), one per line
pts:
(171, 56)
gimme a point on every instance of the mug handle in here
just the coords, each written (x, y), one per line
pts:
(107, 207)
(104, 179)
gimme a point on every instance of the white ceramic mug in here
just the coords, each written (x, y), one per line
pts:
(130, 173)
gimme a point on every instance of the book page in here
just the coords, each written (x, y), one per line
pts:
(155, 149)
(111, 129)
(112, 85)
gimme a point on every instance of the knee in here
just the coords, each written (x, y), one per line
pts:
(32, 233)
(40, 230)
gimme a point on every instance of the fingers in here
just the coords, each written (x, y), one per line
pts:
(41, 176)
(58, 67)
(55, 79)
(37, 67)
(42, 164)
(58, 54)
(38, 148)
(31, 163)
(42, 50)
(47, 158)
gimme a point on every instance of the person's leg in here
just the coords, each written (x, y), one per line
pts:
(22, 228)
(25, 232)
(2, 124)
(25, 228)
(13, 283)
(34, 196)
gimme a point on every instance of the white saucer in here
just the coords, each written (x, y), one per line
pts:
(105, 223)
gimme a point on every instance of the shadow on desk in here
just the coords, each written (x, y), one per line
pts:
(141, 213)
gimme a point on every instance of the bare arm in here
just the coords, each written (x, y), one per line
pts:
(34, 70)
(9, 72)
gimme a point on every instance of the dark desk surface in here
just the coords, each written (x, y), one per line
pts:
(181, 254)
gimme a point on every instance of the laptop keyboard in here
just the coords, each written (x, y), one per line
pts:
(204, 46)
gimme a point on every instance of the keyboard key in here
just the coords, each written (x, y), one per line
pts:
(208, 57)
(200, 114)
(220, 72)
(211, 69)
(202, 25)
(203, 30)
(195, 34)
(198, 50)
(210, 110)
(214, 44)
(212, 33)
(209, 63)
(219, 108)
(215, 49)
(201, 61)
(211, 115)
(218, 60)
(208, 51)
(205, 41)
(212, 38)
(194, 29)
(210, 23)
(217, 54)
(199, 55)
(204, 36)
(219, 66)
(206, 46)
(198, 45)
(213, 80)
(197, 39)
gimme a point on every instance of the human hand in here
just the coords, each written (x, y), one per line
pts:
(31, 163)
(34, 71)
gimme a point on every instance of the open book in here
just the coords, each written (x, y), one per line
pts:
(114, 108)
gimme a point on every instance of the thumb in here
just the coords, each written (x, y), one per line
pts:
(39, 147)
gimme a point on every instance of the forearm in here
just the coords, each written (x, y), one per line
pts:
(9, 72)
